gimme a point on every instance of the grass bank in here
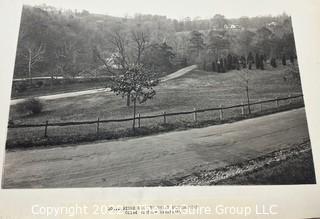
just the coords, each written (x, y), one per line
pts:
(87, 133)
(292, 165)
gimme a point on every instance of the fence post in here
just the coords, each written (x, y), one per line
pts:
(139, 119)
(164, 118)
(46, 129)
(195, 114)
(277, 101)
(289, 96)
(260, 106)
(98, 125)
(242, 108)
(221, 112)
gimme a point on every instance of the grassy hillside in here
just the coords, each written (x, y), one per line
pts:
(197, 89)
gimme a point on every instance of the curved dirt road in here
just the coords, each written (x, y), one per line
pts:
(152, 159)
(176, 74)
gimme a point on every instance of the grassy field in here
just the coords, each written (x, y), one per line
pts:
(197, 89)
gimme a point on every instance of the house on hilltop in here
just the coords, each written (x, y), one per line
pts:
(272, 24)
(233, 27)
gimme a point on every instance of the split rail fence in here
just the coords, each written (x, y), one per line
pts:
(138, 119)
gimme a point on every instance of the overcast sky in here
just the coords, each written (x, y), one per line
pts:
(174, 8)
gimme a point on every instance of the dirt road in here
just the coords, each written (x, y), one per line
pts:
(64, 95)
(154, 159)
(179, 73)
(176, 74)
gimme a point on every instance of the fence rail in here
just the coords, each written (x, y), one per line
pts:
(164, 115)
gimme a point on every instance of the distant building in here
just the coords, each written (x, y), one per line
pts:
(272, 24)
(233, 27)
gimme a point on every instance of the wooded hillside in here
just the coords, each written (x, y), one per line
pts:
(68, 43)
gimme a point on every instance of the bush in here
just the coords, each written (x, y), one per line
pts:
(292, 75)
(20, 87)
(39, 84)
(30, 106)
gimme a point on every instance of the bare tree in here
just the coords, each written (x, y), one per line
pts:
(33, 55)
(126, 54)
(119, 58)
(119, 42)
(66, 56)
(140, 39)
(106, 63)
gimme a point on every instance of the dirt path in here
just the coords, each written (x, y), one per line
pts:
(59, 78)
(153, 159)
(93, 91)
(179, 73)
(64, 95)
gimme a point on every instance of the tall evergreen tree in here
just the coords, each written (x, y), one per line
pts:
(196, 43)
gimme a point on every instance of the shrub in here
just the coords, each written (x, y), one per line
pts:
(30, 106)
(292, 75)
(21, 87)
(39, 84)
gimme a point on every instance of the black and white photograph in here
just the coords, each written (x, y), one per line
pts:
(155, 100)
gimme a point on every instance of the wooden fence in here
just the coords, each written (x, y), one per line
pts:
(164, 115)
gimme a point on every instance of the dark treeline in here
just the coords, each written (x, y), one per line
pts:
(68, 43)
(230, 48)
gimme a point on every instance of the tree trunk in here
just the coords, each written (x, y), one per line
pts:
(134, 115)
(128, 99)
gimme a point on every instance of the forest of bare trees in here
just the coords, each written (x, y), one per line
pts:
(68, 43)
